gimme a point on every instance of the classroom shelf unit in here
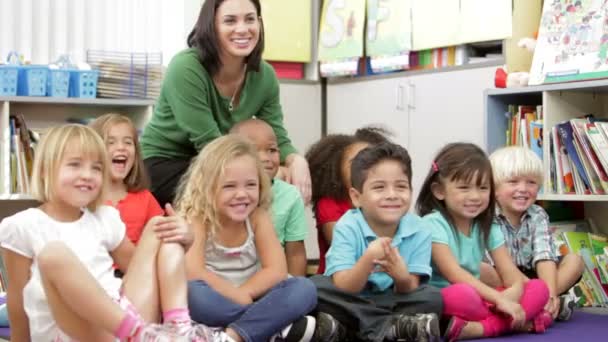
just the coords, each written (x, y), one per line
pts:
(43, 112)
(560, 102)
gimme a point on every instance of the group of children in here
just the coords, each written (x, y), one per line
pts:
(478, 261)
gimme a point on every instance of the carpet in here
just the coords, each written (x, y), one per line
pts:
(583, 327)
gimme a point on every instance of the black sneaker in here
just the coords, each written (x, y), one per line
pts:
(420, 328)
(567, 302)
(301, 330)
(329, 329)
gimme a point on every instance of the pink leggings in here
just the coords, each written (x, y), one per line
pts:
(463, 301)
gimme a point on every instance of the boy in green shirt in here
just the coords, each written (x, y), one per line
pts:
(287, 204)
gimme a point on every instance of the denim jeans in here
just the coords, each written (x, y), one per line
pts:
(368, 318)
(281, 305)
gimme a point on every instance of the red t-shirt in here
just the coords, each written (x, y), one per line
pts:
(136, 209)
(328, 210)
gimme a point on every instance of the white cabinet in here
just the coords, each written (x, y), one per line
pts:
(425, 110)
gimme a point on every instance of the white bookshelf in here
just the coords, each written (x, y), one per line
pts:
(43, 112)
(563, 101)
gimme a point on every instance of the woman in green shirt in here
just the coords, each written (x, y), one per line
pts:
(218, 81)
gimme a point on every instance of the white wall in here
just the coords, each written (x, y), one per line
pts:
(42, 30)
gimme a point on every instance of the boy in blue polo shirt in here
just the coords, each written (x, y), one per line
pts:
(378, 264)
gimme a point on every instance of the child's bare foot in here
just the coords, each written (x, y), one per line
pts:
(514, 292)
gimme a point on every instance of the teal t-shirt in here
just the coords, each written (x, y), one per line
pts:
(288, 212)
(468, 250)
(190, 112)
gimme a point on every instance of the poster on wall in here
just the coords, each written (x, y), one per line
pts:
(341, 36)
(572, 42)
(388, 38)
(287, 30)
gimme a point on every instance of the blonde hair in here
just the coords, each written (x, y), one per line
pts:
(50, 152)
(515, 161)
(198, 188)
(137, 178)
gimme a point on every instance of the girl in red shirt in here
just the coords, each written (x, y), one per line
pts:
(128, 189)
(329, 161)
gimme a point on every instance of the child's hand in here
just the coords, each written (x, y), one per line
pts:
(514, 310)
(173, 228)
(553, 306)
(392, 263)
(376, 248)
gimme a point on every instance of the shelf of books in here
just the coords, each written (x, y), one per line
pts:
(566, 125)
(23, 120)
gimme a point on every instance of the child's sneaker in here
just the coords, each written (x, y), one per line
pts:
(566, 307)
(420, 327)
(301, 330)
(171, 333)
(328, 329)
(454, 328)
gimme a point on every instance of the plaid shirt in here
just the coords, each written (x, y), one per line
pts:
(531, 242)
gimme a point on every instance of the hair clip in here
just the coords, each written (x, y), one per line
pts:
(435, 167)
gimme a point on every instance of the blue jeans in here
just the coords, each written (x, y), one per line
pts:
(281, 305)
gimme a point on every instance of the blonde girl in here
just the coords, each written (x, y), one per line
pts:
(236, 266)
(127, 189)
(59, 256)
(457, 201)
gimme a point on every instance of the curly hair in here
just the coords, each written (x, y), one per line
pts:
(196, 194)
(325, 159)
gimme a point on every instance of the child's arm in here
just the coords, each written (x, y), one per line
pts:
(450, 269)
(296, 258)
(354, 278)
(18, 270)
(508, 272)
(123, 253)
(270, 254)
(328, 231)
(296, 229)
(196, 269)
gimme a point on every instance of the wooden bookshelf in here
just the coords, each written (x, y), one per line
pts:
(43, 112)
(563, 101)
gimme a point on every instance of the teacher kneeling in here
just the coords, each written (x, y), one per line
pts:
(217, 82)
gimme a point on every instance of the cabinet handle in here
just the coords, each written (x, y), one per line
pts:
(411, 97)
(400, 89)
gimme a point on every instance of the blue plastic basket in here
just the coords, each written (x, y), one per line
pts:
(58, 83)
(9, 75)
(32, 80)
(8, 80)
(83, 83)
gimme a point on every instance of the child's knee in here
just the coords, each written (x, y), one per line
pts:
(578, 265)
(537, 288)
(305, 293)
(53, 255)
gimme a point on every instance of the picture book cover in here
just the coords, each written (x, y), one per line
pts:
(572, 42)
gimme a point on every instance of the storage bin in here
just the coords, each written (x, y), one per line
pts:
(58, 83)
(83, 83)
(8, 80)
(32, 80)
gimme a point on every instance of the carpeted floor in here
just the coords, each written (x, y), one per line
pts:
(583, 327)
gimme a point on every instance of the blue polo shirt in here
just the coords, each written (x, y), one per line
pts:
(352, 235)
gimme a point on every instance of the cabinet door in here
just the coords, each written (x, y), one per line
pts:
(445, 107)
(354, 104)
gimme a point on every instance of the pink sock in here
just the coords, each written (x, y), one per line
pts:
(534, 298)
(176, 315)
(463, 301)
(128, 326)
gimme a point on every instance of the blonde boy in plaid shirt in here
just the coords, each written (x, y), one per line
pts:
(518, 174)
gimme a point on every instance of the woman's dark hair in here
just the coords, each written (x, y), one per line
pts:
(371, 156)
(203, 37)
(325, 161)
(458, 162)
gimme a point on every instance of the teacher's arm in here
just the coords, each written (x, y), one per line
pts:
(297, 173)
(186, 88)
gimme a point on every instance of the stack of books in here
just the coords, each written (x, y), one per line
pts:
(575, 237)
